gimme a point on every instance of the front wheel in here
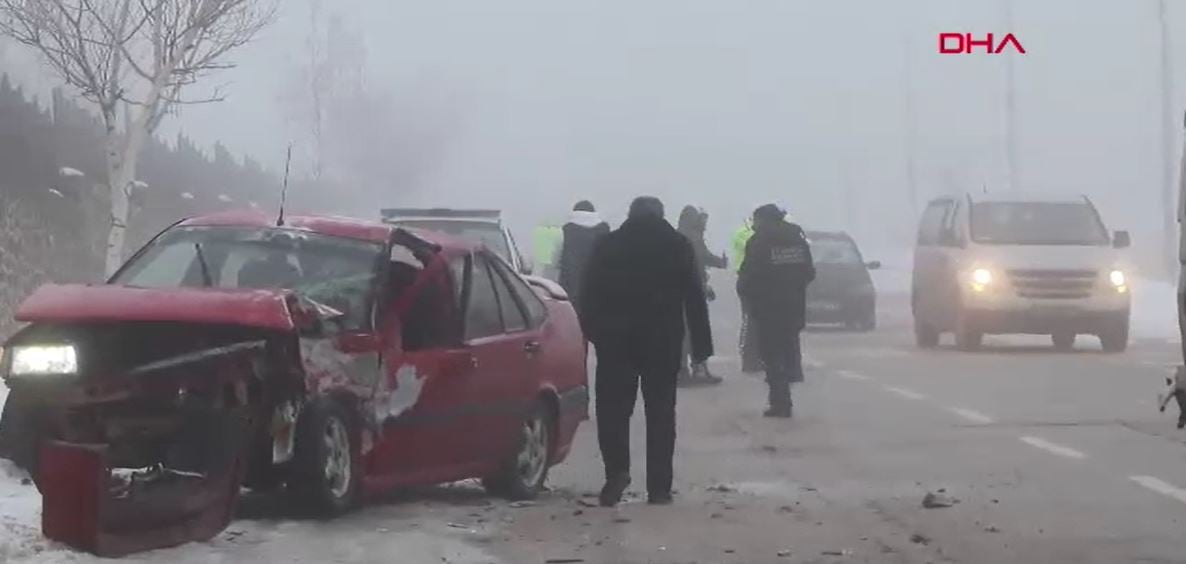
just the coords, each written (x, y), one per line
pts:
(523, 476)
(1063, 341)
(326, 465)
(926, 336)
(1115, 340)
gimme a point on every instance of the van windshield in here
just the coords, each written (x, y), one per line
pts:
(1037, 223)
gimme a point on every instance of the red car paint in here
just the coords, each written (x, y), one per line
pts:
(437, 414)
(267, 309)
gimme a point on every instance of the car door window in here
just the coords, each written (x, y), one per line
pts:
(483, 317)
(513, 318)
(931, 225)
(536, 311)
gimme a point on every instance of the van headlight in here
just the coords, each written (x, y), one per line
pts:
(1118, 280)
(44, 360)
(981, 278)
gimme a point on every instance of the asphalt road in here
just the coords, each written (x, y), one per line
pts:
(1046, 458)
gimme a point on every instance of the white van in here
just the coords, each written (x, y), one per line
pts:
(999, 264)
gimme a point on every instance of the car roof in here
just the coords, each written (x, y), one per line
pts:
(827, 235)
(1028, 198)
(482, 220)
(333, 226)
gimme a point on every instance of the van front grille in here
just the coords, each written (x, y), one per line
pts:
(1054, 284)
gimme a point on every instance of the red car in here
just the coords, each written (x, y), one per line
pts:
(338, 357)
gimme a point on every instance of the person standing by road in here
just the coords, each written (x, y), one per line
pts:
(692, 224)
(773, 285)
(747, 342)
(641, 283)
(581, 233)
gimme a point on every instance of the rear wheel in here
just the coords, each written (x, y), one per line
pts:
(1063, 341)
(523, 476)
(326, 470)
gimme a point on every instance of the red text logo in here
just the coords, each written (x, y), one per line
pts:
(967, 43)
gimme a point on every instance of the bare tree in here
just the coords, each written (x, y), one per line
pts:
(136, 60)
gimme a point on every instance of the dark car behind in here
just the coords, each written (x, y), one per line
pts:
(843, 291)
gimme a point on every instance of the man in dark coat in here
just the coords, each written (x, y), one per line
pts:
(692, 224)
(581, 233)
(773, 284)
(640, 284)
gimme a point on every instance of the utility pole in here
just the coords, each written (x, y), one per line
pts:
(1013, 162)
(1169, 208)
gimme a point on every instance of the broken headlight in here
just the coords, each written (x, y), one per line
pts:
(43, 360)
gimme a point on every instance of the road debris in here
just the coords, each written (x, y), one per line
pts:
(992, 529)
(722, 488)
(917, 538)
(938, 500)
(522, 504)
(844, 552)
(784, 554)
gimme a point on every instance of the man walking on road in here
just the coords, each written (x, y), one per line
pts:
(773, 285)
(641, 282)
(692, 224)
(581, 233)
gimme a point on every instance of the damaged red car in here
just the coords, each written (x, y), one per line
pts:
(335, 357)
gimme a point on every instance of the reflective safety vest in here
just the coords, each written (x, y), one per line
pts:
(546, 240)
(740, 238)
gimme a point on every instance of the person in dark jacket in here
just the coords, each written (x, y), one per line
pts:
(692, 224)
(641, 283)
(581, 233)
(773, 284)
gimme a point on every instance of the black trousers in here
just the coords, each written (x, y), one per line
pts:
(1182, 321)
(783, 359)
(620, 370)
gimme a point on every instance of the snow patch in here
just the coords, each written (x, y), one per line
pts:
(20, 515)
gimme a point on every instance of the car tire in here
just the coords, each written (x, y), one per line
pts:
(926, 336)
(327, 470)
(967, 338)
(523, 475)
(1063, 341)
(1115, 340)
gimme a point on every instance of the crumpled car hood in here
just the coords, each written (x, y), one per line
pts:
(75, 303)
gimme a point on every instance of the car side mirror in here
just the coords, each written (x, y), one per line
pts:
(1121, 240)
(873, 265)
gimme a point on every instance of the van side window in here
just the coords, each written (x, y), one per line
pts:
(931, 225)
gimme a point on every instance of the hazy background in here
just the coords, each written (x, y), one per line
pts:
(529, 105)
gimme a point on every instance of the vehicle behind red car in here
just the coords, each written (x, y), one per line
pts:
(338, 357)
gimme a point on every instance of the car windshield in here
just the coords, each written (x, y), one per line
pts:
(1030, 223)
(832, 250)
(485, 233)
(334, 271)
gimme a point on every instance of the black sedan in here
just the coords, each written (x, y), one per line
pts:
(842, 292)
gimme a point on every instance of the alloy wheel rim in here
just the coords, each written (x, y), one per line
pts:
(338, 463)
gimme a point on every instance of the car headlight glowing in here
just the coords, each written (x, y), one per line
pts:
(982, 276)
(981, 279)
(1118, 280)
(44, 360)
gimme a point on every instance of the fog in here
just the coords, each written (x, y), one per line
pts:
(528, 105)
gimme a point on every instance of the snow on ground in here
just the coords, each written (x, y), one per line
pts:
(20, 515)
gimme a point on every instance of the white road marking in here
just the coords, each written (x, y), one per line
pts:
(908, 394)
(971, 415)
(1053, 448)
(852, 375)
(1160, 487)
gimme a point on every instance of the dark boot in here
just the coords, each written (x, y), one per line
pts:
(615, 487)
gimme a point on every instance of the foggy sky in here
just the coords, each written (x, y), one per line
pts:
(728, 104)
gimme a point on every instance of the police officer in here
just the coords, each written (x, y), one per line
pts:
(641, 283)
(773, 285)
